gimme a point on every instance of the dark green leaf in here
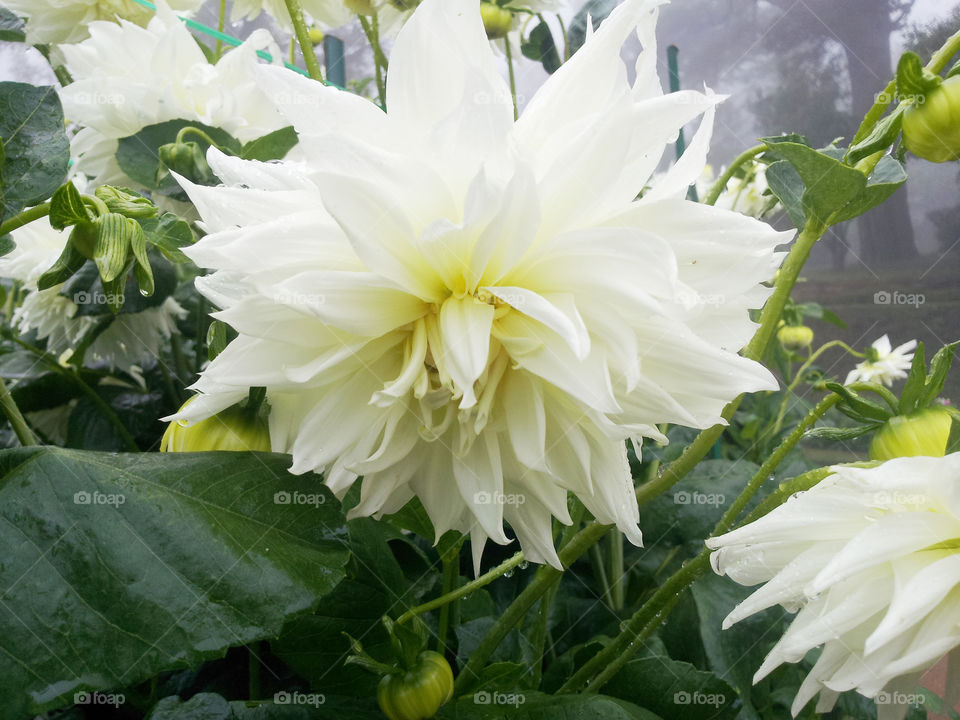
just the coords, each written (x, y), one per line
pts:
(136, 563)
(92, 297)
(273, 146)
(500, 676)
(138, 156)
(11, 26)
(66, 265)
(7, 245)
(916, 381)
(486, 705)
(169, 234)
(859, 404)
(67, 208)
(35, 144)
(882, 136)
(33, 384)
(886, 177)
(786, 184)
(539, 46)
(939, 367)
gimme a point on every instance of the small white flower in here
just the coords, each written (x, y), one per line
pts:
(68, 21)
(742, 194)
(473, 311)
(870, 557)
(125, 344)
(883, 363)
(127, 77)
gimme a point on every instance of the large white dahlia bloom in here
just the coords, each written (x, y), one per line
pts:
(127, 77)
(871, 559)
(474, 311)
(67, 21)
(124, 344)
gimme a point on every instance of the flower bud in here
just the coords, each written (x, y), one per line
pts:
(235, 429)
(931, 129)
(125, 202)
(795, 337)
(924, 432)
(496, 20)
(316, 35)
(360, 7)
(185, 158)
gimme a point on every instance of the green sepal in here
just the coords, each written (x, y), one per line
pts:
(836, 433)
(916, 380)
(113, 289)
(216, 339)
(67, 207)
(937, 376)
(141, 268)
(859, 404)
(113, 245)
(882, 136)
(63, 269)
(914, 81)
(126, 202)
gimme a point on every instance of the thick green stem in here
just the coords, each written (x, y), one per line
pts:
(512, 76)
(27, 216)
(615, 573)
(10, 409)
(303, 39)
(464, 590)
(721, 183)
(451, 580)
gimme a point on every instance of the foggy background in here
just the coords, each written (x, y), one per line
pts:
(807, 66)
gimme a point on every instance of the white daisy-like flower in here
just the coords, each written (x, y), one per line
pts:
(884, 363)
(127, 77)
(742, 194)
(67, 21)
(870, 558)
(124, 344)
(474, 311)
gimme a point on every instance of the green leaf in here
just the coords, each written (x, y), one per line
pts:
(33, 384)
(11, 26)
(169, 234)
(939, 367)
(887, 176)
(66, 265)
(539, 46)
(597, 10)
(916, 381)
(138, 156)
(67, 208)
(829, 185)
(93, 297)
(288, 705)
(953, 440)
(882, 136)
(35, 144)
(499, 676)
(859, 404)
(914, 81)
(136, 563)
(272, 146)
(485, 705)
(785, 182)
(7, 245)
(673, 689)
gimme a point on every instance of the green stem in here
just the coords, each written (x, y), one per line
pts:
(220, 24)
(513, 79)
(203, 136)
(303, 38)
(617, 586)
(464, 590)
(451, 579)
(722, 181)
(27, 216)
(596, 559)
(371, 28)
(10, 409)
(782, 411)
(888, 397)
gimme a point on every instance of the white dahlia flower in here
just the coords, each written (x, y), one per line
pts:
(67, 21)
(884, 363)
(870, 557)
(473, 311)
(127, 77)
(126, 342)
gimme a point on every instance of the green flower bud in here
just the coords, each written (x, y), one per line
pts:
(185, 158)
(795, 337)
(931, 129)
(924, 432)
(235, 429)
(126, 202)
(418, 693)
(360, 7)
(496, 21)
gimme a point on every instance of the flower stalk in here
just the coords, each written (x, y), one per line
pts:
(303, 38)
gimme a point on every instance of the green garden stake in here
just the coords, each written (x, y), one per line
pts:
(336, 68)
(681, 145)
